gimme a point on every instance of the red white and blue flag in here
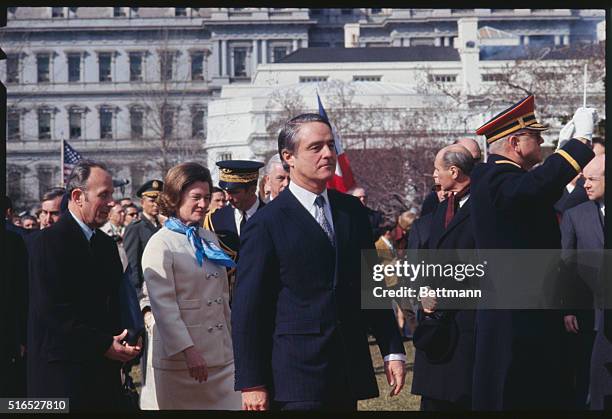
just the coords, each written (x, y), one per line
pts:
(71, 158)
(343, 179)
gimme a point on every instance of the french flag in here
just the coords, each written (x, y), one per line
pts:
(343, 179)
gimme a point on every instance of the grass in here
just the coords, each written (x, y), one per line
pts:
(403, 401)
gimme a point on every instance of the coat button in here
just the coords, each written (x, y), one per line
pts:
(209, 302)
(219, 300)
(210, 329)
(216, 274)
(219, 326)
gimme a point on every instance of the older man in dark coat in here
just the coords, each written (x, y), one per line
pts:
(75, 340)
(517, 362)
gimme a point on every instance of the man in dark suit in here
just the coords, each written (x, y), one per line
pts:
(300, 337)
(138, 233)
(375, 217)
(445, 381)
(518, 364)
(74, 332)
(582, 229)
(239, 179)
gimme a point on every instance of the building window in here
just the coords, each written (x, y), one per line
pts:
(224, 156)
(422, 41)
(240, 58)
(104, 66)
(134, 11)
(72, 12)
(45, 180)
(13, 122)
(180, 11)
(316, 12)
(367, 78)
(118, 12)
(14, 182)
(57, 12)
(375, 11)
(347, 11)
(197, 66)
(12, 68)
(443, 78)
(136, 122)
(135, 66)
(166, 60)
(74, 123)
(313, 79)
(43, 62)
(198, 122)
(167, 121)
(106, 123)
(493, 77)
(44, 124)
(74, 67)
(278, 53)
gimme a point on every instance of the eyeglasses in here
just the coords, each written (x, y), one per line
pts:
(132, 214)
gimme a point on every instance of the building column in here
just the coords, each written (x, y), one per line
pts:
(566, 40)
(224, 71)
(525, 39)
(295, 44)
(438, 42)
(304, 43)
(557, 39)
(264, 51)
(254, 59)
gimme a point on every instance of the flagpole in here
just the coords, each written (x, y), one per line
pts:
(62, 163)
(585, 87)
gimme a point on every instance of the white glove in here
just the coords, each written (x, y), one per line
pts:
(566, 134)
(584, 120)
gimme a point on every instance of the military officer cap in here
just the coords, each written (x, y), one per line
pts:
(238, 173)
(518, 116)
(151, 188)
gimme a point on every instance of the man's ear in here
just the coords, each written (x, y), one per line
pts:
(513, 140)
(287, 157)
(454, 172)
(77, 195)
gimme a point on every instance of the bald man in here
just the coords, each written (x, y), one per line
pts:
(472, 146)
(582, 229)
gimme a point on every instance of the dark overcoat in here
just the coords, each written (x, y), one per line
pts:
(297, 323)
(135, 238)
(451, 379)
(73, 315)
(518, 364)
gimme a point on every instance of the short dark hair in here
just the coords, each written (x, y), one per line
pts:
(600, 141)
(176, 181)
(80, 173)
(29, 217)
(216, 189)
(52, 194)
(287, 136)
(132, 205)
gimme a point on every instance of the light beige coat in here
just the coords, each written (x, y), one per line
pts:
(191, 308)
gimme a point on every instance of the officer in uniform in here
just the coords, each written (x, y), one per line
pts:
(518, 362)
(239, 179)
(138, 233)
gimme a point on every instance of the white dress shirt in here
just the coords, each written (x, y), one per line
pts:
(307, 199)
(249, 214)
(86, 229)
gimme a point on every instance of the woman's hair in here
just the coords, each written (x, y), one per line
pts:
(178, 179)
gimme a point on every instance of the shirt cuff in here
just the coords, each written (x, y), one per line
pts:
(395, 357)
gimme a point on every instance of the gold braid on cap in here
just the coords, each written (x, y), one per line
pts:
(150, 194)
(227, 176)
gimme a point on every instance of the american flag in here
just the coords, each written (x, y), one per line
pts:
(71, 158)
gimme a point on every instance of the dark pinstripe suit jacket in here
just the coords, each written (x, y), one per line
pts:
(297, 326)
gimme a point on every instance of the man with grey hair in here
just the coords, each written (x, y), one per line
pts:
(472, 146)
(276, 177)
(75, 342)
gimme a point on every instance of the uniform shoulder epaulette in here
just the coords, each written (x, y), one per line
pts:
(508, 162)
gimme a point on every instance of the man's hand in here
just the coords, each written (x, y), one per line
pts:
(149, 321)
(396, 374)
(429, 304)
(119, 351)
(196, 364)
(255, 398)
(571, 323)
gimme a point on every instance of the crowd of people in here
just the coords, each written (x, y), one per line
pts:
(249, 290)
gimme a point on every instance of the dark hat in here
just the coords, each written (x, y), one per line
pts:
(152, 189)
(237, 173)
(518, 116)
(436, 335)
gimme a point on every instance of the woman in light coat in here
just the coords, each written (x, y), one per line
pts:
(185, 273)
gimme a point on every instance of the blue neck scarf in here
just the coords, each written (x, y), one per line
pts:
(203, 248)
